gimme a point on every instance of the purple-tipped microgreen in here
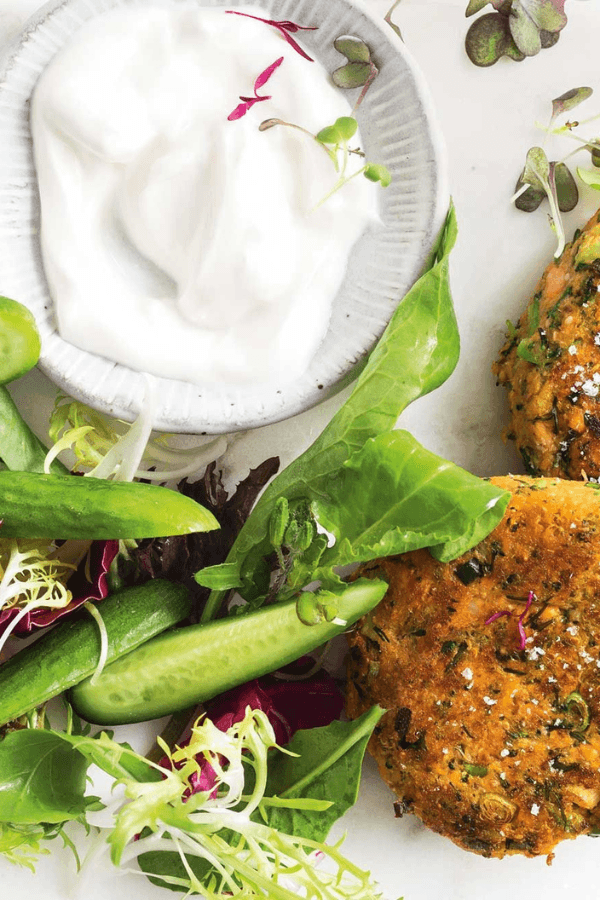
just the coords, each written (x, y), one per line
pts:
(388, 18)
(542, 178)
(520, 625)
(248, 102)
(359, 70)
(285, 28)
(517, 29)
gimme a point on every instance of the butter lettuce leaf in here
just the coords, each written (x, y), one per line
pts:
(416, 354)
(393, 496)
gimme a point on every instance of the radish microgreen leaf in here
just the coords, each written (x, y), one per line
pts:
(542, 178)
(518, 29)
(569, 100)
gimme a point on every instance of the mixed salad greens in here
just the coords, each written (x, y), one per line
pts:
(222, 814)
(161, 599)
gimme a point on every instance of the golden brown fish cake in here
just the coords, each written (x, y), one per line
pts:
(551, 366)
(489, 667)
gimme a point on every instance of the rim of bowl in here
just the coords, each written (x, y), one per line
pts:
(383, 265)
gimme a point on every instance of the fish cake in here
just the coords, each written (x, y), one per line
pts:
(550, 365)
(489, 668)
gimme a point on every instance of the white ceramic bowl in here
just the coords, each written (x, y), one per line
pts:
(399, 130)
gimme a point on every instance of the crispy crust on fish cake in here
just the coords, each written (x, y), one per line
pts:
(489, 667)
(551, 366)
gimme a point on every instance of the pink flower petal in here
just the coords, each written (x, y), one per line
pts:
(240, 111)
(284, 27)
(264, 76)
(295, 45)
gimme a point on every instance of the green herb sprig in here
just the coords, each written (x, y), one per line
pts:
(552, 179)
(358, 71)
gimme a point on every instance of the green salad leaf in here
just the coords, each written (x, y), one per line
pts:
(416, 354)
(20, 449)
(327, 767)
(42, 779)
(393, 496)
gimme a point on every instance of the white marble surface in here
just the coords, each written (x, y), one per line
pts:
(488, 118)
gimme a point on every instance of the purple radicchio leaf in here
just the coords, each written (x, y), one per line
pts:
(290, 705)
(88, 582)
(284, 27)
(311, 702)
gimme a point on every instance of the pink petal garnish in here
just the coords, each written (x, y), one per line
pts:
(264, 76)
(523, 641)
(504, 612)
(283, 27)
(520, 626)
(239, 111)
(248, 102)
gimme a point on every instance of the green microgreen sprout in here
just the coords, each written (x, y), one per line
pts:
(552, 179)
(358, 71)
(517, 29)
(388, 18)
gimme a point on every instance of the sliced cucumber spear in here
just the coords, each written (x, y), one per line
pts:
(70, 651)
(195, 663)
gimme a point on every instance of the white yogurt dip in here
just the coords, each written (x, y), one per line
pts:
(175, 241)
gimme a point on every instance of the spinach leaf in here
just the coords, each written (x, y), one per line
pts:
(168, 864)
(328, 767)
(42, 779)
